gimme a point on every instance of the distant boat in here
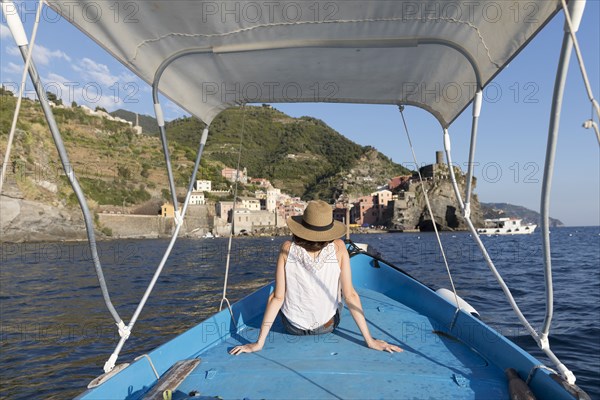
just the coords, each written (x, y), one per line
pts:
(506, 226)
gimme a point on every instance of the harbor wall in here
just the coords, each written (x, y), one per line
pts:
(197, 222)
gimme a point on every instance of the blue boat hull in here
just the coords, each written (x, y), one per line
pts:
(467, 362)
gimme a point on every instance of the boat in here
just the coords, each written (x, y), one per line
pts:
(506, 226)
(206, 58)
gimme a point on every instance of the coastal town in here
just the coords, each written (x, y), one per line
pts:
(121, 173)
(263, 209)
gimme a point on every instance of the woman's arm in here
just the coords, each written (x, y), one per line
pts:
(354, 304)
(273, 305)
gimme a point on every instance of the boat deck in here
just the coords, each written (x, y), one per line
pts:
(339, 365)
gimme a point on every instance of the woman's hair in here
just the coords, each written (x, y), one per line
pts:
(310, 245)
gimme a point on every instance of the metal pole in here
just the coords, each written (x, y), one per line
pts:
(559, 86)
(109, 365)
(476, 111)
(68, 168)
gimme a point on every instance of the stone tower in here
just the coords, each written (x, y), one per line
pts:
(439, 157)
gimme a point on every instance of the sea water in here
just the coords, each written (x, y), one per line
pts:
(56, 333)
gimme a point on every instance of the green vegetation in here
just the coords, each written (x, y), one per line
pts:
(301, 156)
(148, 123)
(113, 193)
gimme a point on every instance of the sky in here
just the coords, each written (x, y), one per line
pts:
(513, 126)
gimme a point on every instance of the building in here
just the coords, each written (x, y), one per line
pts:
(289, 209)
(203, 186)
(231, 174)
(104, 114)
(381, 198)
(252, 221)
(364, 212)
(137, 128)
(223, 208)
(272, 198)
(399, 181)
(197, 198)
(400, 209)
(340, 212)
(167, 210)
(249, 203)
(439, 170)
(260, 182)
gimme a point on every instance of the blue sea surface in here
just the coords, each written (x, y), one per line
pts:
(56, 333)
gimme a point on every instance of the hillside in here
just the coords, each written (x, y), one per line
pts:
(116, 167)
(148, 123)
(503, 210)
(302, 156)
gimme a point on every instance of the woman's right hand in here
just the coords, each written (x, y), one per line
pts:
(246, 348)
(382, 345)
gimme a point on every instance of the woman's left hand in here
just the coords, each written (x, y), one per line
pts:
(382, 345)
(246, 348)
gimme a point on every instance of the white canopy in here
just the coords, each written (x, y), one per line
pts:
(425, 53)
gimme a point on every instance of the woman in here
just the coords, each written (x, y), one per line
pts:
(311, 270)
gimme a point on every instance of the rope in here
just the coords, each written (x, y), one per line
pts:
(484, 252)
(232, 231)
(110, 363)
(541, 340)
(13, 126)
(165, 146)
(151, 364)
(586, 81)
(437, 234)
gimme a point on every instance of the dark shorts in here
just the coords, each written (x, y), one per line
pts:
(327, 327)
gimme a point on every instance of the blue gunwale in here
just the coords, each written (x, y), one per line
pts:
(466, 363)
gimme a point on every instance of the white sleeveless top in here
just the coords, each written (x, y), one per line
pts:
(312, 287)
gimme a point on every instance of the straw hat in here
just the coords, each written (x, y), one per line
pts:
(316, 224)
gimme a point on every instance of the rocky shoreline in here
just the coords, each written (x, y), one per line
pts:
(30, 221)
(26, 221)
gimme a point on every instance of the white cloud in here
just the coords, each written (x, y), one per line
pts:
(13, 51)
(4, 32)
(91, 94)
(172, 110)
(109, 103)
(96, 72)
(13, 68)
(117, 89)
(42, 55)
